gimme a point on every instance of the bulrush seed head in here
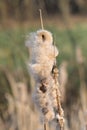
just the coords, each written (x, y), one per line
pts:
(43, 55)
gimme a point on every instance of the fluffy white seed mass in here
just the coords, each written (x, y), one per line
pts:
(42, 53)
(42, 57)
(42, 100)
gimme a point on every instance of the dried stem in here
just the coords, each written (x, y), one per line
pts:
(59, 107)
(55, 76)
(41, 19)
(58, 103)
(86, 126)
(44, 126)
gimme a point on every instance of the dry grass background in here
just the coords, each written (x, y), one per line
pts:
(21, 113)
(17, 19)
(17, 111)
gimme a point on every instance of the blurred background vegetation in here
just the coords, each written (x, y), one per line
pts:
(67, 20)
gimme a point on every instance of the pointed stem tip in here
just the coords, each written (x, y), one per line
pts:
(41, 19)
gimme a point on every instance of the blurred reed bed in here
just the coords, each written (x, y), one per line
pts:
(27, 9)
(16, 107)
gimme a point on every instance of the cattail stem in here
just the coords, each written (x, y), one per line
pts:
(41, 19)
(58, 103)
(86, 126)
(44, 126)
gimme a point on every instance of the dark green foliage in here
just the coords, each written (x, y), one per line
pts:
(22, 10)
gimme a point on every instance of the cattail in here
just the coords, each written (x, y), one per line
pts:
(41, 65)
(42, 58)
